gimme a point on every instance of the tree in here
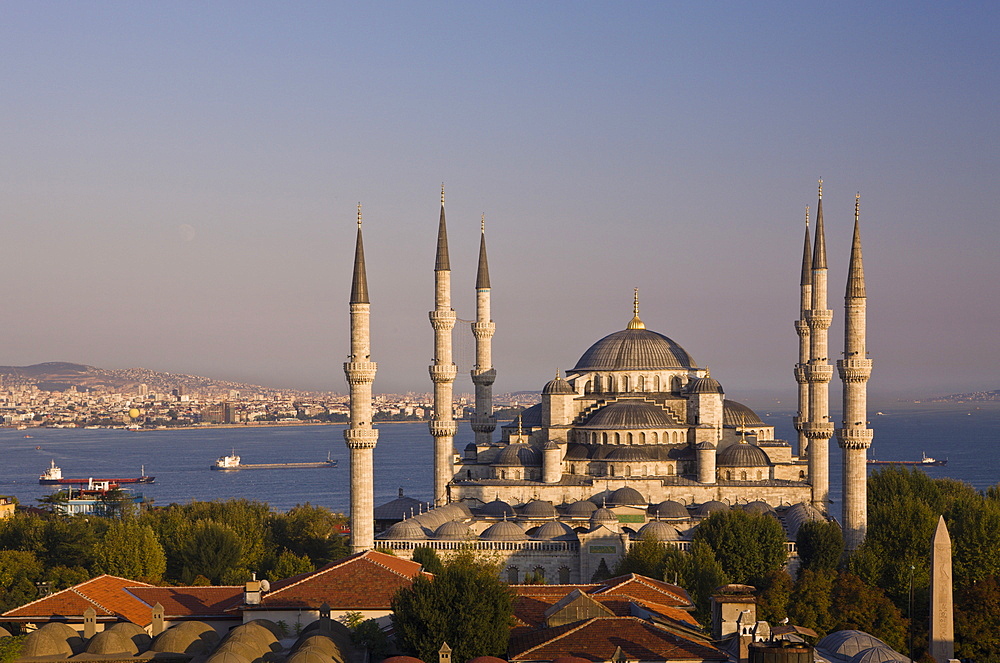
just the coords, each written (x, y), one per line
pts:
(976, 617)
(210, 550)
(131, 550)
(309, 530)
(703, 576)
(747, 545)
(424, 614)
(820, 545)
(647, 558)
(855, 605)
(773, 597)
(428, 558)
(289, 564)
(811, 600)
(19, 570)
(602, 572)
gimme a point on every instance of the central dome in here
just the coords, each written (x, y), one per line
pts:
(634, 349)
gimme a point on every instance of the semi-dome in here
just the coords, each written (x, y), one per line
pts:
(628, 453)
(708, 508)
(497, 509)
(670, 509)
(581, 509)
(628, 414)
(577, 452)
(554, 530)
(558, 386)
(743, 454)
(519, 455)
(738, 414)
(634, 349)
(658, 531)
(538, 509)
(627, 496)
(453, 530)
(505, 530)
(705, 385)
(603, 516)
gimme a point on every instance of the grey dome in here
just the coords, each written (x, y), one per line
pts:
(46, 643)
(581, 509)
(705, 385)
(110, 642)
(629, 453)
(670, 509)
(554, 530)
(186, 638)
(577, 452)
(705, 446)
(225, 656)
(504, 530)
(558, 386)
(519, 455)
(738, 414)
(629, 414)
(309, 655)
(497, 509)
(634, 349)
(848, 643)
(759, 507)
(405, 530)
(710, 507)
(743, 454)
(603, 516)
(133, 632)
(538, 509)
(878, 655)
(433, 518)
(627, 496)
(453, 530)
(798, 514)
(658, 531)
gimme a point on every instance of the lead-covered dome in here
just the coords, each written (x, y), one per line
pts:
(629, 414)
(627, 496)
(634, 349)
(743, 454)
(558, 386)
(505, 530)
(738, 414)
(519, 455)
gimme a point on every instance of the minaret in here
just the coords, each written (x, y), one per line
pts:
(483, 373)
(443, 370)
(818, 428)
(855, 368)
(802, 329)
(360, 436)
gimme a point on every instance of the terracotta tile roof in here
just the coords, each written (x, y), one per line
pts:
(597, 639)
(105, 594)
(366, 580)
(190, 601)
(644, 590)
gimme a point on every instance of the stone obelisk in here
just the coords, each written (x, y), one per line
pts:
(942, 636)
(359, 435)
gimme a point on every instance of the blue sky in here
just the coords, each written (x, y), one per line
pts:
(180, 181)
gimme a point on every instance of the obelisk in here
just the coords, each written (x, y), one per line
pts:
(942, 637)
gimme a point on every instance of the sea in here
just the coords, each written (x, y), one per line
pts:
(963, 433)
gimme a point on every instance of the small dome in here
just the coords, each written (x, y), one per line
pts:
(405, 530)
(224, 656)
(323, 643)
(848, 643)
(629, 453)
(705, 385)
(558, 386)
(658, 531)
(504, 530)
(878, 655)
(581, 509)
(110, 642)
(759, 507)
(308, 655)
(670, 509)
(66, 633)
(743, 454)
(538, 509)
(738, 414)
(798, 514)
(186, 638)
(401, 659)
(45, 643)
(453, 530)
(710, 507)
(135, 633)
(634, 349)
(519, 455)
(627, 496)
(497, 509)
(554, 530)
(577, 452)
(603, 516)
(271, 626)
(629, 414)
(705, 446)
(455, 511)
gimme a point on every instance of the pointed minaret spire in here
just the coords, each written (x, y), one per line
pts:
(442, 263)
(807, 277)
(856, 274)
(359, 284)
(819, 254)
(483, 275)
(635, 322)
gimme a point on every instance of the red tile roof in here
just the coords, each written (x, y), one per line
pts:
(105, 594)
(597, 640)
(644, 589)
(190, 601)
(366, 580)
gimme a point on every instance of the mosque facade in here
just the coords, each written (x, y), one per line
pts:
(637, 439)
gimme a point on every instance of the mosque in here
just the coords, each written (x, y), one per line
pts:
(636, 440)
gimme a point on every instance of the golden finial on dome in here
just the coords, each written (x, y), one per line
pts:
(807, 216)
(821, 188)
(520, 431)
(635, 323)
(708, 372)
(558, 374)
(359, 216)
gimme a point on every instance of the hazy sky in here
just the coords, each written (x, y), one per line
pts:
(179, 182)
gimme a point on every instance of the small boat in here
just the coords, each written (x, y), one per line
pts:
(925, 461)
(232, 462)
(53, 475)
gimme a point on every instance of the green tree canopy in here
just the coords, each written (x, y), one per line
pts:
(747, 545)
(210, 549)
(465, 605)
(820, 545)
(428, 558)
(855, 605)
(131, 550)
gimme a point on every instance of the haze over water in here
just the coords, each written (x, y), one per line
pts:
(180, 459)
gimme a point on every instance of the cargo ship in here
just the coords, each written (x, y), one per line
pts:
(233, 462)
(925, 460)
(53, 476)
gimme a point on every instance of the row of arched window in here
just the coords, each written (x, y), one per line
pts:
(623, 383)
(652, 437)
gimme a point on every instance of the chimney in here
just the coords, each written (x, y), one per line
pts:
(252, 593)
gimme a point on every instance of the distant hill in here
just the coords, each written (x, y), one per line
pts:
(60, 376)
(965, 398)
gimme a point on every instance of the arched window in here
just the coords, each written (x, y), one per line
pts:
(670, 469)
(802, 475)
(628, 438)
(539, 575)
(641, 383)
(675, 384)
(642, 438)
(759, 475)
(468, 474)
(588, 387)
(743, 476)
(656, 383)
(572, 468)
(604, 437)
(611, 383)
(503, 474)
(611, 470)
(624, 383)
(656, 437)
(729, 475)
(618, 438)
(628, 470)
(597, 383)
(512, 575)
(563, 575)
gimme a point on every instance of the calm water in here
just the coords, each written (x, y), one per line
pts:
(179, 460)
